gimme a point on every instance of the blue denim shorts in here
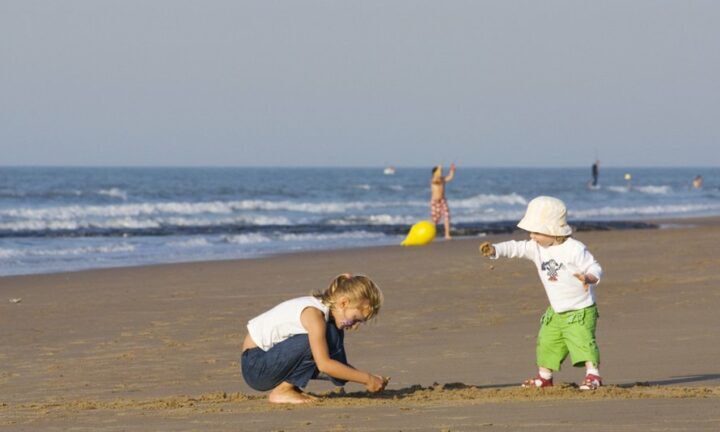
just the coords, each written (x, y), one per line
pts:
(290, 361)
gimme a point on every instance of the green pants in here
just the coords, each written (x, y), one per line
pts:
(571, 332)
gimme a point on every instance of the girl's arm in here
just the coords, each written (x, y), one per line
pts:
(314, 322)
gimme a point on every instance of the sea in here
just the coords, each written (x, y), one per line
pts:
(57, 219)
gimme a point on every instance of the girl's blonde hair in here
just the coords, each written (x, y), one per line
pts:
(356, 288)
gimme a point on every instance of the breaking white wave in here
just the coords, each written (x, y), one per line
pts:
(381, 219)
(357, 235)
(244, 239)
(133, 223)
(254, 238)
(649, 189)
(114, 193)
(184, 208)
(484, 200)
(655, 190)
(9, 253)
(257, 220)
(190, 243)
(649, 210)
(74, 251)
(491, 216)
(618, 189)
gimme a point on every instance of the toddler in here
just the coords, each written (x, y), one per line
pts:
(570, 274)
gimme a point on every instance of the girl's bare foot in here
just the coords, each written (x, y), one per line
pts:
(288, 393)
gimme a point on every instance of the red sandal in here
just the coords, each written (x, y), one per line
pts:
(537, 382)
(591, 382)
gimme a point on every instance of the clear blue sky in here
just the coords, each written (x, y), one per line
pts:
(359, 83)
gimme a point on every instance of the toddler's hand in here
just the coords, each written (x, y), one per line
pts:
(586, 279)
(376, 383)
(487, 249)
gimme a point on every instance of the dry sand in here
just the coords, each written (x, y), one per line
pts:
(157, 348)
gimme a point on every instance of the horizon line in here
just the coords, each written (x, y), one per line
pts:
(360, 166)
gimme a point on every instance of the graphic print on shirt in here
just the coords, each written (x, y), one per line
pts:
(552, 268)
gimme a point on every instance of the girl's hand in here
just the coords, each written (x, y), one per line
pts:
(586, 279)
(376, 383)
(486, 249)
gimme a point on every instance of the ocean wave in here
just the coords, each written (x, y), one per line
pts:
(42, 194)
(353, 235)
(244, 239)
(62, 225)
(650, 210)
(190, 243)
(483, 200)
(74, 251)
(381, 219)
(489, 216)
(618, 189)
(9, 253)
(185, 208)
(114, 193)
(655, 190)
(129, 223)
(254, 238)
(254, 220)
(648, 189)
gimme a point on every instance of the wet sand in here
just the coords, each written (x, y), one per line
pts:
(157, 348)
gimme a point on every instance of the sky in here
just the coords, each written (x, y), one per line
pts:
(359, 83)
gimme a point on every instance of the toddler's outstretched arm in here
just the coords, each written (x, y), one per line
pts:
(508, 249)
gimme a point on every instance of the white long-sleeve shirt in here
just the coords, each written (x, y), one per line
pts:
(556, 266)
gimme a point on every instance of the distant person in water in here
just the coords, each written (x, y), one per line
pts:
(438, 203)
(697, 182)
(595, 173)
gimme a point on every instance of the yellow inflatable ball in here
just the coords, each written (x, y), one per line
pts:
(420, 234)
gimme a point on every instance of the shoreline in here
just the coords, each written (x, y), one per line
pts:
(624, 225)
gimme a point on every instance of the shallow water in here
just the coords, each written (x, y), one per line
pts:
(59, 219)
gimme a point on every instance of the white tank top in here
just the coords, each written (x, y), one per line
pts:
(282, 321)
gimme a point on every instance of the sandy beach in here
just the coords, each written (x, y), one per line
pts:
(157, 347)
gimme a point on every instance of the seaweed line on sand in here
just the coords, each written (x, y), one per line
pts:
(413, 395)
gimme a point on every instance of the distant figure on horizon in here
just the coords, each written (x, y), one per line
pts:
(697, 182)
(438, 203)
(628, 179)
(595, 173)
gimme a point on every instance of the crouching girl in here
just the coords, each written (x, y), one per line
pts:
(298, 339)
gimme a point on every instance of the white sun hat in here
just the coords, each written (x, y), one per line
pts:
(546, 215)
